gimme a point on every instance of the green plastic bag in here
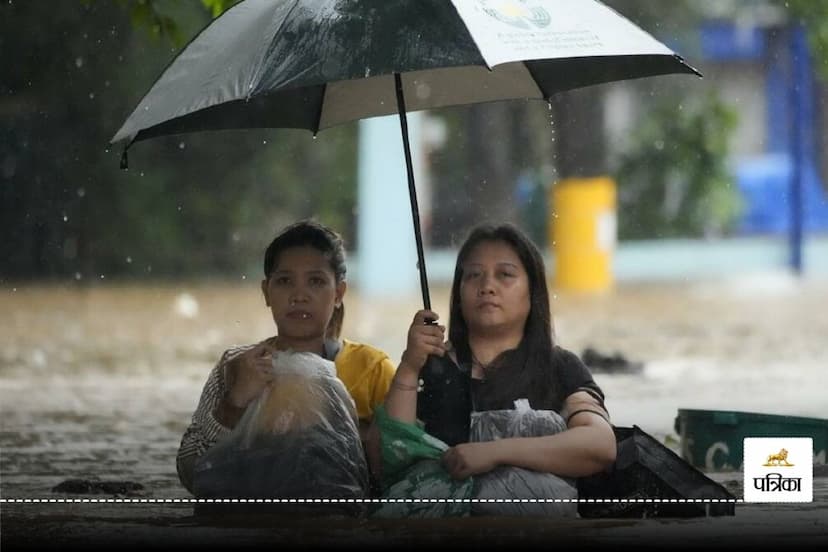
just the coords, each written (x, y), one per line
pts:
(412, 471)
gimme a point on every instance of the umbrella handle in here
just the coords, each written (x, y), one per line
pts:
(412, 194)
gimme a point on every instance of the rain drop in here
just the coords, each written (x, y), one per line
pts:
(81, 192)
(186, 305)
(91, 95)
(244, 277)
(65, 218)
(182, 145)
(264, 142)
(102, 276)
(141, 173)
(314, 136)
(78, 62)
(129, 260)
(78, 276)
(423, 91)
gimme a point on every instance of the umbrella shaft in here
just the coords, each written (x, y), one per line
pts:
(412, 192)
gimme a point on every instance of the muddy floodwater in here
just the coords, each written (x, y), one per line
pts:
(100, 381)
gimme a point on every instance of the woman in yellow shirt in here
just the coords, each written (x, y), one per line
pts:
(304, 287)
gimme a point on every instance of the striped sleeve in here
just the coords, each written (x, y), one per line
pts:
(204, 430)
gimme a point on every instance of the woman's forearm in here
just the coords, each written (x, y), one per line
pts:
(401, 399)
(576, 452)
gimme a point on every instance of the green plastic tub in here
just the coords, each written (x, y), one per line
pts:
(711, 440)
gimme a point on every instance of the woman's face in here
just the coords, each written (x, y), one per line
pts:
(302, 292)
(494, 290)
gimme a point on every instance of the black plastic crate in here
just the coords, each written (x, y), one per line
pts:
(645, 469)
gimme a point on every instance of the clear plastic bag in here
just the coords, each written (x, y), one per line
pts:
(518, 483)
(298, 439)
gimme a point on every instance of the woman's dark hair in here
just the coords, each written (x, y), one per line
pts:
(309, 233)
(526, 370)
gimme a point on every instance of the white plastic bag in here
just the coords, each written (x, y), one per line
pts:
(510, 482)
(298, 439)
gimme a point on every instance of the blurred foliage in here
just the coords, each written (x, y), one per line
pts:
(813, 15)
(217, 7)
(674, 179)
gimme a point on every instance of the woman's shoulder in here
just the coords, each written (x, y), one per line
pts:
(564, 358)
(353, 352)
(574, 374)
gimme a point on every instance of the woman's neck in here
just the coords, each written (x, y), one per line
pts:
(301, 345)
(485, 348)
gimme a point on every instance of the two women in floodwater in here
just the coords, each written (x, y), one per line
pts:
(500, 332)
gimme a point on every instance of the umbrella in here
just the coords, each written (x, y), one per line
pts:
(314, 64)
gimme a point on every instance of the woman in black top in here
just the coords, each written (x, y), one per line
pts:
(501, 325)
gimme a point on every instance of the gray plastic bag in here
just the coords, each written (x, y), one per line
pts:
(518, 483)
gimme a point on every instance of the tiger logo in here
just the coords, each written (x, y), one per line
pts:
(778, 459)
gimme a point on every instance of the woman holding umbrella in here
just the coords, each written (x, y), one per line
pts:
(500, 327)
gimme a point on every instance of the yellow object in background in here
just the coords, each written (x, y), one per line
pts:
(582, 231)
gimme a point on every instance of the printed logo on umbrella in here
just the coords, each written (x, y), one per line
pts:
(522, 14)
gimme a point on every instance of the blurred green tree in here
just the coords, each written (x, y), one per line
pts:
(674, 179)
